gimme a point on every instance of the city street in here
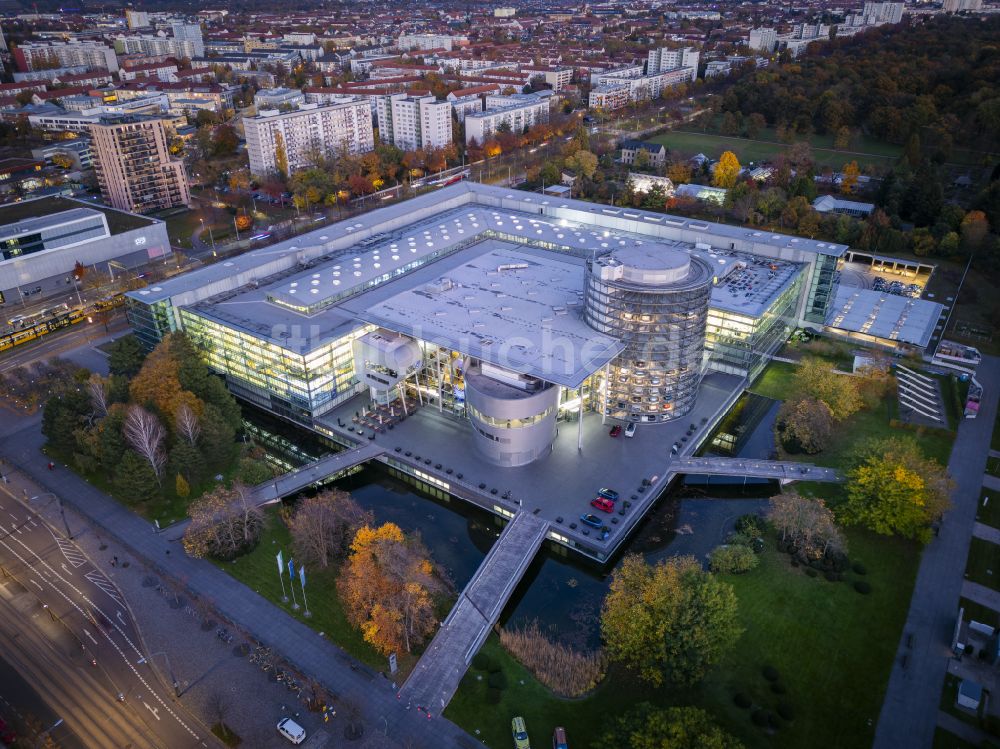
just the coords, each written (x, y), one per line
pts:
(77, 644)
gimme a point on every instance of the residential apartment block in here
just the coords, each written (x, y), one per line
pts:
(412, 121)
(877, 14)
(763, 39)
(661, 60)
(520, 112)
(134, 168)
(36, 55)
(431, 41)
(190, 33)
(612, 91)
(556, 77)
(301, 132)
(470, 100)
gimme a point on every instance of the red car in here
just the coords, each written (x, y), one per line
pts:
(603, 503)
(616, 430)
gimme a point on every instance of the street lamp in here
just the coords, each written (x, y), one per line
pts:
(62, 510)
(176, 684)
(40, 739)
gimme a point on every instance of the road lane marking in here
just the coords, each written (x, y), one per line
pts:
(69, 550)
(33, 582)
(154, 710)
(107, 636)
(105, 585)
(64, 569)
(90, 636)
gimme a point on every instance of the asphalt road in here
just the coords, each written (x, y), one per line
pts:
(62, 341)
(58, 613)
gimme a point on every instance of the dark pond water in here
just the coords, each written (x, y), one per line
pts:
(561, 591)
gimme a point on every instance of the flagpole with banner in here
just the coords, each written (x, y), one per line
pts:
(281, 577)
(302, 579)
(291, 583)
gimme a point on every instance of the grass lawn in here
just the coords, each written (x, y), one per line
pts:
(949, 695)
(979, 612)
(993, 466)
(258, 570)
(789, 618)
(766, 147)
(983, 564)
(988, 512)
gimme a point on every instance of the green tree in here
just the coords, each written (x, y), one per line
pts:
(135, 481)
(64, 413)
(583, 163)
(217, 439)
(125, 356)
(671, 621)
(815, 378)
(187, 459)
(649, 727)
(894, 489)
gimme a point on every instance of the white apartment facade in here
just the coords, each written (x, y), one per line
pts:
(413, 121)
(431, 41)
(610, 88)
(309, 129)
(662, 60)
(959, 6)
(190, 33)
(763, 39)
(876, 14)
(85, 54)
(558, 78)
(519, 112)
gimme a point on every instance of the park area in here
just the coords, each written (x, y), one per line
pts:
(817, 645)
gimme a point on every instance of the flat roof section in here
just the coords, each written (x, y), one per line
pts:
(118, 221)
(888, 316)
(37, 224)
(517, 310)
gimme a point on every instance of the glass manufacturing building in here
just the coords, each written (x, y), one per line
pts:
(509, 311)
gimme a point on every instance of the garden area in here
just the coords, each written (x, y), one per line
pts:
(785, 613)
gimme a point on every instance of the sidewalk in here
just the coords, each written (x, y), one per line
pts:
(986, 533)
(981, 594)
(303, 648)
(963, 730)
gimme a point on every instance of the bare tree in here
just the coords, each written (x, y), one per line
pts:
(223, 524)
(323, 526)
(187, 422)
(807, 523)
(97, 387)
(145, 435)
(218, 706)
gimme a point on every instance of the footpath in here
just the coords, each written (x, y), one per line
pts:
(371, 695)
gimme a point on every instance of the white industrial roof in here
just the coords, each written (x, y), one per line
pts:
(876, 313)
(518, 310)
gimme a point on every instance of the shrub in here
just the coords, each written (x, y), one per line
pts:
(741, 700)
(493, 696)
(749, 525)
(785, 711)
(567, 672)
(733, 559)
(811, 572)
(859, 569)
(830, 575)
(777, 687)
(863, 587)
(770, 673)
(760, 718)
(497, 680)
(772, 721)
(482, 662)
(795, 562)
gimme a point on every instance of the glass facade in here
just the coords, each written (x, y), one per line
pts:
(150, 322)
(663, 327)
(296, 386)
(822, 289)
(741, 344)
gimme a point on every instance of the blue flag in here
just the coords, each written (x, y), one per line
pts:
(302, 576)
(291, 568)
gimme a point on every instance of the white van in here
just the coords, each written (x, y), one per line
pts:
(291, 730)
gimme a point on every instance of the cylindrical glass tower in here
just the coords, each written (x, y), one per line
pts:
(655, 300)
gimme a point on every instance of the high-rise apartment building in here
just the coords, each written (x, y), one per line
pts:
(763, 39)
(431, 41)
(958, 6)
(134, 167)
(411, 121)
(660, 60)
(519, 112)
(880, 13)
(86, 54)
(191, 33)
(295, 136)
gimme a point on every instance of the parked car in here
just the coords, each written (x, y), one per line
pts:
(520, 733)
(291, 730)
(630, 429)
(603, 504)
(609, 494)
(559, 739)
(592, 520)
(616, 430)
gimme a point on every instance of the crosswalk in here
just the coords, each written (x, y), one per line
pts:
(69, 550)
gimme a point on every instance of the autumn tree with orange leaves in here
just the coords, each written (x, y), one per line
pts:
(388, 587)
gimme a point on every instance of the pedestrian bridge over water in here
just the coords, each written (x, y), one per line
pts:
(779, 470)
(320, 470)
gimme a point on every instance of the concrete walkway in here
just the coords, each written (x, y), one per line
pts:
(782, 470)
(986, 533)
(302, 647)
(990, 482)
(909, 712)
(981, 594)
(436, 677)
(320, 470)
(965, 731)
